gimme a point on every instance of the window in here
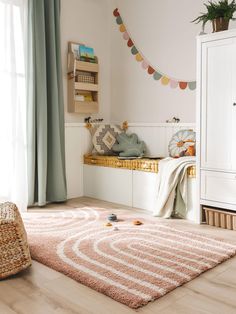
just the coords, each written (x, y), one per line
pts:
(13, 183)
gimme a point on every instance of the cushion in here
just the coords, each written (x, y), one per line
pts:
(182, 144)
(104, 137)
(129, 146)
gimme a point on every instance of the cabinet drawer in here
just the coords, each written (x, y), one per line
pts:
(108, 184)
(144, 190)
(218, 187)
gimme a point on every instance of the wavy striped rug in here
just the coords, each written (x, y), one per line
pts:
(133, 265)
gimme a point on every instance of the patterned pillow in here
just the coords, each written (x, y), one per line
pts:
(104, 137)
(182, 144)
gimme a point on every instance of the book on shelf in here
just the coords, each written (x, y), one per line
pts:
(86, 53)
(79, 97)
(84, 96)
(75, 49)
(87, 60)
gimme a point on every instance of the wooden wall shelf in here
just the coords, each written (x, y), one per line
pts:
(76, 69)
(86, 87)
(85, 106)
(87, 66)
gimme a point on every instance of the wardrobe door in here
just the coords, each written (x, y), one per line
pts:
(217, 109)
(233, 137)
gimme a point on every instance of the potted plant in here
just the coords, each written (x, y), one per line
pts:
(219, 13)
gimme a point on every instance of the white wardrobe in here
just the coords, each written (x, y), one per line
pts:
(216, 120)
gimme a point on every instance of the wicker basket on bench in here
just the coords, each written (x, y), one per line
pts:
(14, 250)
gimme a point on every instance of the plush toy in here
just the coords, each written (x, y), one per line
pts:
(129, 146)
(112, 217)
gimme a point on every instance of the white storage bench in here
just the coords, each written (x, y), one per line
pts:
(129, 182)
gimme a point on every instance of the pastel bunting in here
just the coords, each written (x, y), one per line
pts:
(174, 84)
(116, 12)
(164, 79)
(119, 20)
(183, 85)
(134, 50)
(144, 64)
(126, 35)
(130, 43)
(122, 28)
(157, 76)
(138, 57)
(150, 70)
(192, 85)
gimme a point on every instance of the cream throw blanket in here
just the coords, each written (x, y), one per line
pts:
(172, 187)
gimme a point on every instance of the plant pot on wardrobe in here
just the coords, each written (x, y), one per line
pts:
(220, 24)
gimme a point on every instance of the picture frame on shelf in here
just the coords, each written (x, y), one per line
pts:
(74, 47)
(86, 53)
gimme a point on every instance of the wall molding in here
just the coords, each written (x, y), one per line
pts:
(143, 124)
(74, 124)
(152, 124)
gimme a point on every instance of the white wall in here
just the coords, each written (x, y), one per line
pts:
(88, 22)
(163, 33)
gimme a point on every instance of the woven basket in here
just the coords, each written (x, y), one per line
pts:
(14, 250)
(220, 218)
(142, 164)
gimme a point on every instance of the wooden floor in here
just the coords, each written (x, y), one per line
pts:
(45, 291)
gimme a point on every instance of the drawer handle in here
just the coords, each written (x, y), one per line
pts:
(93, 161)
(234, 104)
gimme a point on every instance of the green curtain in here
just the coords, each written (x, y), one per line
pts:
(45, 118)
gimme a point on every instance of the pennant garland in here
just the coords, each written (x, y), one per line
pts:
(157, 75)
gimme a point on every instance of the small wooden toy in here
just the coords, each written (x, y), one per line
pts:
(108, 224)
(137, 222)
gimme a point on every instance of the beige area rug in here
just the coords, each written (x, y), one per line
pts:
(133, 265)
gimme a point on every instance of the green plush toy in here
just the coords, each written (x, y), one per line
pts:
(129, 146)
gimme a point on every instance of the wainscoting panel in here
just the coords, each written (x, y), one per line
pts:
(157, 136)
(78, 142)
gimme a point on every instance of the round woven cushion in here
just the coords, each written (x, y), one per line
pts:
(182, 143)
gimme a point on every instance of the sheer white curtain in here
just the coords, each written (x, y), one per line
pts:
(13, 175)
